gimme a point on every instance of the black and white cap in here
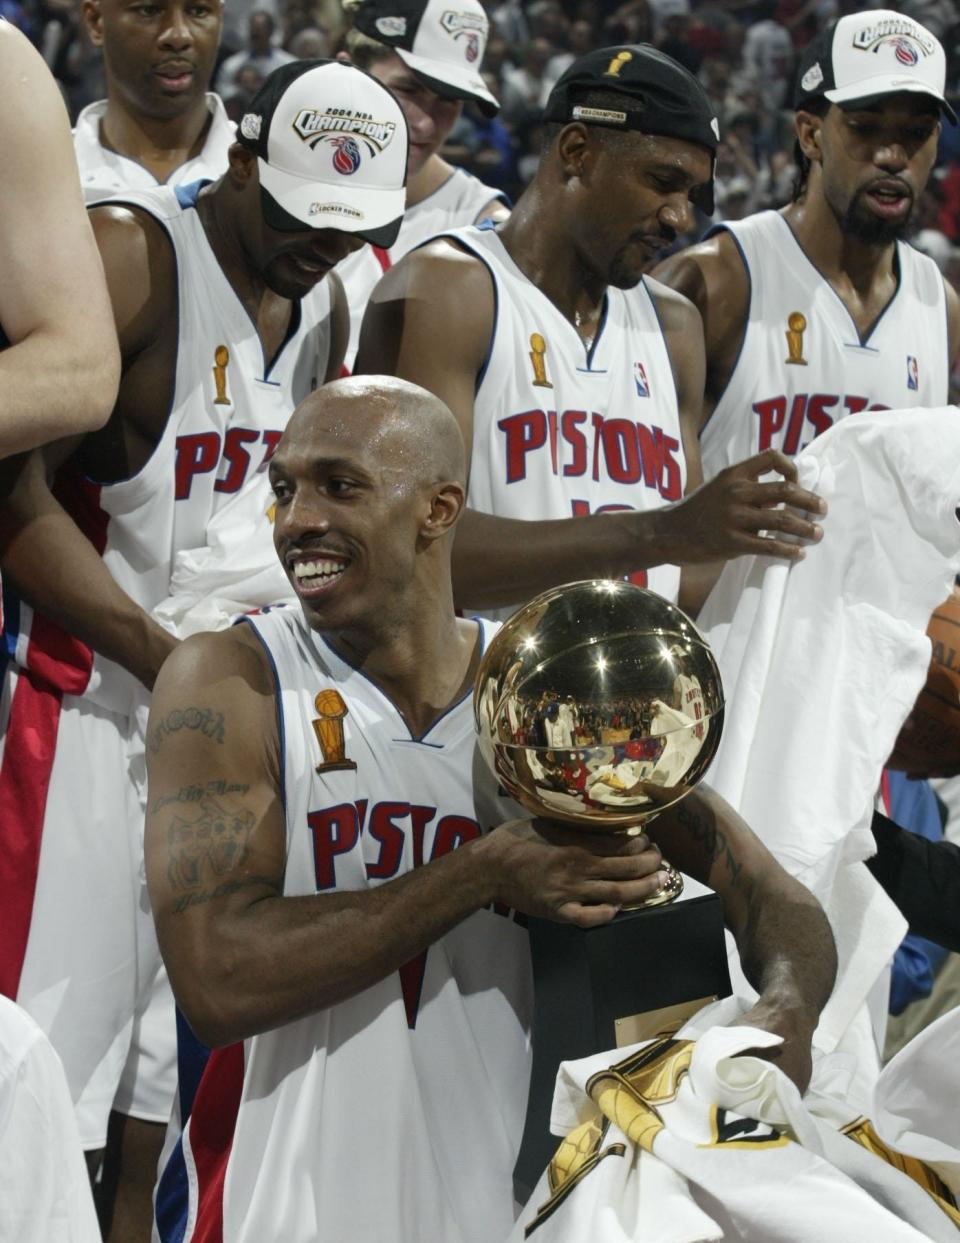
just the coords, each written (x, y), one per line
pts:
(867, 55)
(331, 144)
(441, 41)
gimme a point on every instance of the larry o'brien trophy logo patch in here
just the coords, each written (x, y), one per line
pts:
(352, 135)
(329, 730)
(796, 327)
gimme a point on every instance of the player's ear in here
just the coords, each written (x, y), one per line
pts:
(575, 149)
(93, 19)
(242, 162)
(447, 501)
(809, 128)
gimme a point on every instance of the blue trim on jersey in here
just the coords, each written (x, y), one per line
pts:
(187, 195)
(861, 339)
(247, 621)
(172, 1204)
(600, 327)
(11, 626)
(173, 1187)
(722, 228)
(458, 241)
(422, 740)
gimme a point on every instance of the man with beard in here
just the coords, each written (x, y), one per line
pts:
(227, 315)
(159, 125)
(821, 310)
(578, 384)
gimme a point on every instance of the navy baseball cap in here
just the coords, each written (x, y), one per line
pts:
(667, 99)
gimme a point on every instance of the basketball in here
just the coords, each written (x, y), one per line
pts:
(929, 742)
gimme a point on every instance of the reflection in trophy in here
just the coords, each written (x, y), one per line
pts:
(599, 704)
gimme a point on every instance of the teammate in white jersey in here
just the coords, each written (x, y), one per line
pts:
(159, 125)
(225, 320)
(821, 310)
(332, 888)
(577, 382)
(429, 54)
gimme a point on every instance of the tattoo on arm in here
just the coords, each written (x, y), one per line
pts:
(711, 840)
(209, 723)
(206, 841)
(198, 898)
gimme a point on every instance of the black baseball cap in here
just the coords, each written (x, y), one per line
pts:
(865, 56)
(331, 146)
(442, 42)
(672, 103)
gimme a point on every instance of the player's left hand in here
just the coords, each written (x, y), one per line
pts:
(795, 1027)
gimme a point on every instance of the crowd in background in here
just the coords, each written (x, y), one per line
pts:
(743, 51)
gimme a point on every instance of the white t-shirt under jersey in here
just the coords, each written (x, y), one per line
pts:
(560, 429)
(394, 1116)
(803, 365)
(104, 172)
(459, 201)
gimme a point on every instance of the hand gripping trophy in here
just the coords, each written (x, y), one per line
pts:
(599, 704)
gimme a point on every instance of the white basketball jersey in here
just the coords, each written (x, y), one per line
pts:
(459, 201)
(562, 430)
(803, 365)
(394, 1116)
(229, 409)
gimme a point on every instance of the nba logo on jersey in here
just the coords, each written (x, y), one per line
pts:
(913, 374)
(640, 378)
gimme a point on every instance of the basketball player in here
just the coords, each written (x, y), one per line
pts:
(821, 310)
(331, 887)
(226, 316)
(159, 124)
(429, 55)
(58, 369)
(576, 382)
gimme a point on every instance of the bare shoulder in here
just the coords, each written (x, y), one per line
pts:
(140, 268)
(229, 663)
(677, 312)
(438, 293)
(441, 269)
(704, 270)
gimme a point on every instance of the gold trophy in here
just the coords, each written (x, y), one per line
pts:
(599, 704)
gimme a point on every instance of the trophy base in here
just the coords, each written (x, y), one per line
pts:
(668, 892)
(587, 999)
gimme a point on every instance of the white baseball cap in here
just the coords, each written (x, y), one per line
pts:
(331, 145)
(866, 55)
(441, 41)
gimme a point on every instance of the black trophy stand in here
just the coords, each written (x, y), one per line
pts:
(590, 985)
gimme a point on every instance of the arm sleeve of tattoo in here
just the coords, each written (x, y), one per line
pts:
(243, 957)
(786, 946)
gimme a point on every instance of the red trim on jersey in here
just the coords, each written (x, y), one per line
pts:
(383, 258)
(213, 1122)
(885, 791)
(56, 664)
(24, 781)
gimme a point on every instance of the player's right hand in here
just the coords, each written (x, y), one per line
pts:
(737, 513)
(576, 876)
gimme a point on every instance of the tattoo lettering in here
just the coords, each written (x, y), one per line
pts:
(223, 890)
(193, 794)
(207, 842)
(710, 839)
(210, 723)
